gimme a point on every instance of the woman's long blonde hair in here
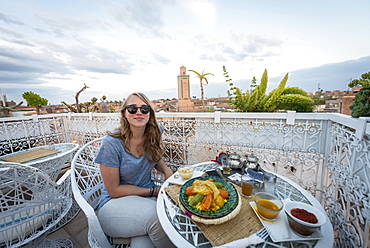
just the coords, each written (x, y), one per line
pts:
(153, 146)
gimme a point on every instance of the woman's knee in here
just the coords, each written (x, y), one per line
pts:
(132, 216)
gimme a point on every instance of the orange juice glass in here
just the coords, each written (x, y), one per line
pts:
(247, 186)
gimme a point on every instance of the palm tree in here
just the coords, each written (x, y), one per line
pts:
(202, 76)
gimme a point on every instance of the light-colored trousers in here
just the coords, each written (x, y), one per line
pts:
(134, 217)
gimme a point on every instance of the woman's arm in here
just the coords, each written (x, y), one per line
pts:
(162, 167)
(111, 181)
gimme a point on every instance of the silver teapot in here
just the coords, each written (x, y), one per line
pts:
(235, 161)
(251, 162)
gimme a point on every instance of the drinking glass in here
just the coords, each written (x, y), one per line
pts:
(269, 181)
(247, 186)
(225, 166)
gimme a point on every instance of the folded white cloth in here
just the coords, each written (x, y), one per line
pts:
(235, 177)
(242, 243)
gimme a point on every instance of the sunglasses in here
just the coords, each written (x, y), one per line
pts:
(132, 109)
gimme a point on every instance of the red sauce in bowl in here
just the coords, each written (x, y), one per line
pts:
(304, 215)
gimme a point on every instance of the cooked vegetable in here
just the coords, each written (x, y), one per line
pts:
(201, 187)
(213, 187)
(220, 201)
(196, 199)
(208, 201)
(210, 196)
(218, 185)
(190, 191)
(224, 193)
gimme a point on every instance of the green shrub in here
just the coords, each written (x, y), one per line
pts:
(361, 105)
(295, 102)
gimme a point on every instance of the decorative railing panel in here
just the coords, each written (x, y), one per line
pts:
(20, 134)
(84, 127)
(294, 150)
(347, 196)
(302, 136)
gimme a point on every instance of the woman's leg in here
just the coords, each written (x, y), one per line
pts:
(133, 216)
(141, 241)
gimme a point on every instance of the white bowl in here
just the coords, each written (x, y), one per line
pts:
(302, 227)
(186, 172)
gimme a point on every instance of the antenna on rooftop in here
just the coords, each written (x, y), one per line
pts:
(347, 82)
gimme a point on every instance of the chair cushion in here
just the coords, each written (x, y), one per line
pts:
(119, 241)
(23, 220)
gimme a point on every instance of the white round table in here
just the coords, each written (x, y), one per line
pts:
(185, 233)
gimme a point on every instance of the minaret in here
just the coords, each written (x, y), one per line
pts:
(183, 85)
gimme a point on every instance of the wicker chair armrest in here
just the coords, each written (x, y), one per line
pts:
(64, 184)
(93, 222)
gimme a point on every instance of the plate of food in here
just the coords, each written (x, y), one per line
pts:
(209, 197)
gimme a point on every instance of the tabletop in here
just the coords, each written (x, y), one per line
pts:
(183, 232)
(53, 163)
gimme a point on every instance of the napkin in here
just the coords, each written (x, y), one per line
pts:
(235, 177)
(180, 180)
(257, 176)
(242, 243)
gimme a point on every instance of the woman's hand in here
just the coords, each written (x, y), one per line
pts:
(156, 191)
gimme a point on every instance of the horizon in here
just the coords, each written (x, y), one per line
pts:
(169, 99)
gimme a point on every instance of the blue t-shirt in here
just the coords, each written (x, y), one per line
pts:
(133, 170)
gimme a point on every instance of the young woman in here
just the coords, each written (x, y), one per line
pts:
(127, 207)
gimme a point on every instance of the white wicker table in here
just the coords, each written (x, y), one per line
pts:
(51, 164)
(184, 233)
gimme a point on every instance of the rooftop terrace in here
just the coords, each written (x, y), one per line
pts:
(327, 154)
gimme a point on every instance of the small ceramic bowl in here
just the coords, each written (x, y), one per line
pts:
(186, 172)
(302, 227)
(268, 205)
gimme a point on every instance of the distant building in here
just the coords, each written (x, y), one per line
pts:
(347, 101)
(183, 85)
(340, 101)
(5, 103)
(187, 104)
(56, 109)
(184, 102)
(218, 103)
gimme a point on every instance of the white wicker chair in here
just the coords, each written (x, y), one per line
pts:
(31, 204)
(86, 187)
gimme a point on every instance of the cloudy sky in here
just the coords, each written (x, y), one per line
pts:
(116, 47)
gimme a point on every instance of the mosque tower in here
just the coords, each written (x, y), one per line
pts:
(183, 85)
